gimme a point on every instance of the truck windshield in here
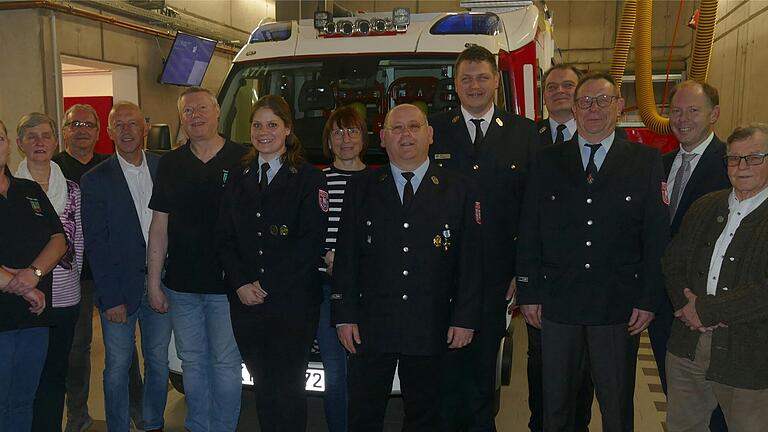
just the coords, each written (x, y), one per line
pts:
(314, 87)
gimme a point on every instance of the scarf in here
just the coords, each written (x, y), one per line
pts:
(57, 185)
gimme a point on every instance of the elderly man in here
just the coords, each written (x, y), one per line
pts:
(406, 279)
(80, 131)
(716, 278)
(593, 230)
(116, 222)
(185, 204)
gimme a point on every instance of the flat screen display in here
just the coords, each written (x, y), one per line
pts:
(188, 60)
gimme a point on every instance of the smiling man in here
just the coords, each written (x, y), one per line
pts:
(593, 230)
(718, 348)
(493, 149)
(406, 276)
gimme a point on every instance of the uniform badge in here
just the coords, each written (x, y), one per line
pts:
(478, 217)
(283, 230)
(455, 119)
(442, 156)
(336, 296)
(437, 241)
(499, 122)
(293, 170)
(274, 230)
(322, 197)
(435, 180)
(543, 129)
(224, 175)
(522, 279)
(664, 193)
(35, 204)
(720, 219)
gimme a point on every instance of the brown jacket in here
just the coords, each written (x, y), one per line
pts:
(740, 350)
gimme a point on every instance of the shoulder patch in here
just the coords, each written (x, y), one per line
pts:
(664, 193)
(478, 216)
(322, 198)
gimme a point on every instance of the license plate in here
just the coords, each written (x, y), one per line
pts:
(315, 380)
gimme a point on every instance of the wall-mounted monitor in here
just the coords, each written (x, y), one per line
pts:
(188, 60)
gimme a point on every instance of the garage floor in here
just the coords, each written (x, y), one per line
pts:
(650, 403)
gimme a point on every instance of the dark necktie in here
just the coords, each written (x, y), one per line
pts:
(264, 181)
(560, 137)
(591, 167)
(478, 131)
(408, 191)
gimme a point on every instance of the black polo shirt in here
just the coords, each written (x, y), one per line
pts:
(27, 222)
(189, 191)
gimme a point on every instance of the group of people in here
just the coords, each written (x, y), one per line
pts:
(248, 255)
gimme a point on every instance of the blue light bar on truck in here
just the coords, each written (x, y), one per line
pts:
(271, 32)
(484, 23)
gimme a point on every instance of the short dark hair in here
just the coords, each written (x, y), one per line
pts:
(713, 97)
(562, 66)
(476, 53)
(344, 117)
(594, 76)
(746, 131)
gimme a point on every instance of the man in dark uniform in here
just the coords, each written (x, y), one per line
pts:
(80, 132)
(593, 230)
(559, 86)
(693, 170)
(494, 149)
(406, 276)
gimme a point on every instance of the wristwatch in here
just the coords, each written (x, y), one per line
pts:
(36, 271)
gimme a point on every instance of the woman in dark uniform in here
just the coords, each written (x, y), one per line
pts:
(31, 244)
(269, 237)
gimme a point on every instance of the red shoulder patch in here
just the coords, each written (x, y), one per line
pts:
(664, 193)
(478, 216)
(322, 198)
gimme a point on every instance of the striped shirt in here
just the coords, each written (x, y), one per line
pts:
(66, 275)
(337, 183)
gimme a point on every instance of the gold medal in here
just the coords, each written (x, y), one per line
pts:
(274, 230)
(455, 119)
(499, 122)
(283, 230)
(437, 241)
(435, 180)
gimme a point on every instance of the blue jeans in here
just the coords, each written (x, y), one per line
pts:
(335, 364)
(119, 345)
(210, 360)
(22, 355)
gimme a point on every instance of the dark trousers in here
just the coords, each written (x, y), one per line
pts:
(275, 349)
(583, 408)
(370, 378)
(79, 373)
(609, 352)
(659, 332)
(469, 386)
(49, 398)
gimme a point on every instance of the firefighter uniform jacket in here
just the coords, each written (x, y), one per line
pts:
(591, 253)
(497, 170)
(404, 275)
(274, 237)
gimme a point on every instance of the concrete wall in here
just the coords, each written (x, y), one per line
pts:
(241, 14)
(738, 60)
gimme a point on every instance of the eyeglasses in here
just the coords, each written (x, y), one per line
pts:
(751, 160)
(350, 132)
(76, 124)
(603, 101)
(400, 129)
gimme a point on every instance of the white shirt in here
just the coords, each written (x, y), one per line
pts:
(570, 129)
(737, 211)
(274, 166)
(484, 125)
(600, 154)
(698, 151)
(140, 184)
(400, 181)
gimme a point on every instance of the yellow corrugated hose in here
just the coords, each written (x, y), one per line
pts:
(623, 41)
(702, 50)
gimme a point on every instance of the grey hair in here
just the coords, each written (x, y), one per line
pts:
(81, 107)
(748, 130)
(33, 119)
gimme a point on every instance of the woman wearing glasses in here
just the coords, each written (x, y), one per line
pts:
(345, 139)
(269, 236)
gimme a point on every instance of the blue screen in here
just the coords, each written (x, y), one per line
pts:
(188, 60)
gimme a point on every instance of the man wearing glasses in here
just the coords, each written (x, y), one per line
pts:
(406, 279)
(716, 279)
(593, 230)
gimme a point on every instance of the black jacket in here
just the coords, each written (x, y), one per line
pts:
(591, 253)
(497, 171)
(406, 275)
(710, 175)
(274, 237)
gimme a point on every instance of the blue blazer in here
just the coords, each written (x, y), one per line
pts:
(114, 242)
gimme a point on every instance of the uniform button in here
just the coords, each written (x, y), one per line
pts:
(261, 252)
(589, 222)
(406, 225)
(552, 197)
(587, 266)
(588, 243)
(440, 165)
(261, 270)
(628, 198)
(405, 296)
(513, 166)
(476, 167)
(636, 276)
(258, 215)
(367, 223)
(405, 272)
(731, 259)
(258, 234)
(589, 200)
(725, 288)
(405, 248)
